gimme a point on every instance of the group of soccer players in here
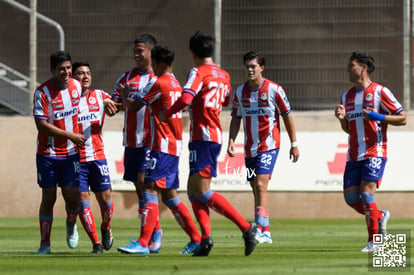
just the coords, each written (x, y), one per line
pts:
(69, 117)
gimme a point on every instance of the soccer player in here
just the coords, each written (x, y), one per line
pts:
(207, 88)
(364, 114)
(260, 102)
(55, 110)
(162, 172)
(136, 132)
(94, 171)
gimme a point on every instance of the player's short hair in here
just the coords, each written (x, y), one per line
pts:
(202, 45)
(59, 57)
(254, 55)
(146, 39)
(162, 54)
(78, 64)
(363, 58)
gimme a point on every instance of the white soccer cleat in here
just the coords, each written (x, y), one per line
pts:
(370, 247)
(72, 236)
(265, 237)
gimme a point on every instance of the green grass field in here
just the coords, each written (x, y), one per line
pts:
(323, 246)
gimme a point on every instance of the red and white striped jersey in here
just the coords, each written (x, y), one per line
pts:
(260, 110)
(136, 132)
(160, 94)
(90, 119)
(368, 139)
(60, 108)
(211, 88)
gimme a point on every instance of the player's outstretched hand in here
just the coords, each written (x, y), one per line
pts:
(111, 107)
(340, 112)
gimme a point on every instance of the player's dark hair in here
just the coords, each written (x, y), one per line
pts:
(254, 55)
(59, 57)
(78, 64)
(363, 58)
(202, 45)
(146, 39)
(162, 54)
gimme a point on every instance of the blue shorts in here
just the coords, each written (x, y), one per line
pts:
(94, 174)
(262, 164)
(135, 161)
(371, 169)
(163, 170)
(58, 171)
(203, 158)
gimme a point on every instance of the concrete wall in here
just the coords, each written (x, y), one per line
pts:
(20, 194)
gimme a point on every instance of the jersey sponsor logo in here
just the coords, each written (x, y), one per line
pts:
(87, 117)
(60, 115)
(255, 112)
(354, 115)
(93, 108)
(57, 104)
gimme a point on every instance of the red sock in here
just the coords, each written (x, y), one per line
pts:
(202, 214)
(358, 206)
(45, 230)
(106, 215)
(148, 220)
(88, 222)
(220, 204)
(371, 217)
(184, 219)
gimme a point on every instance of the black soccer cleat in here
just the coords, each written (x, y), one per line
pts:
(97, 248)
(204, 248)
(107, 238)
(249, 239)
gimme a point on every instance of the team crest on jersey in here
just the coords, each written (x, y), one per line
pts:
(92, 100)
(75, 94)
(263, 96)
(369, 97)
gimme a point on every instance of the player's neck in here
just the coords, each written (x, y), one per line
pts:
(363, 84)
(256, 83)
(204, 61)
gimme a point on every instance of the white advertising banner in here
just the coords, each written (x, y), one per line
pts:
(320, 167)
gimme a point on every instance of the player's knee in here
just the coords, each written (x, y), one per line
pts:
(351, 198)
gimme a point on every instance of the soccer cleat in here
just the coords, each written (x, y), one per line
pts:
(107, 238)
(265, 237)
(134, 248)
(370, 247)
(156, 241)
(204, 248)
(190, 248)
(43, 250)
(97, 248)
(249, 239)
(258, 234)
(72, 236)
(382, 228)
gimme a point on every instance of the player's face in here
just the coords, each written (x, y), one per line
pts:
(254, 70)
(142, 55)
(83, 74)
(62, 73)
(354, 71)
